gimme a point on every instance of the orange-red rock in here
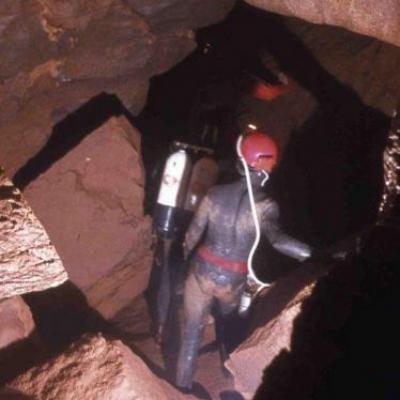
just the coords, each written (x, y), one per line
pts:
(95, 369)
(57, 55)
(91, 203)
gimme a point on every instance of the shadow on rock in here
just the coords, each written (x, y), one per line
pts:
(61, 316)
(345, 343)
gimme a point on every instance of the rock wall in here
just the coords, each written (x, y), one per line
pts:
(91, 202)
(56, 55)
(380, 20)
(365, 64)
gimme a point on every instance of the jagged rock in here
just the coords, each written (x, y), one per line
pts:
(273, 318)
(28, 260)
(95, 369)
(16, 321)
(57, 55)
(91, 203)
(380, 20)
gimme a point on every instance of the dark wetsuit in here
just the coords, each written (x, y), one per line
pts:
(225, 224)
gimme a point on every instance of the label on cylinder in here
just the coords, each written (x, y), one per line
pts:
(173, 183)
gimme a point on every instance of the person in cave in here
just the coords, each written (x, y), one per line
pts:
(222, 231)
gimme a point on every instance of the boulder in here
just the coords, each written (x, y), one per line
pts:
(273, 319)
(16, 321)
(28, 260)
(94, 369)
(91, 202)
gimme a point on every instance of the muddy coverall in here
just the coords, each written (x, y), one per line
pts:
(223, 229)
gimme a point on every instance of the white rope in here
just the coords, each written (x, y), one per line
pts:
(251, 274)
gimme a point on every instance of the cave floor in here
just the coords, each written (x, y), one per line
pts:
(135, 327)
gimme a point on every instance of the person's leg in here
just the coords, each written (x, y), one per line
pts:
(196, 306)
(228, 299)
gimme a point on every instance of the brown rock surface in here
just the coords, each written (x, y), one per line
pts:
(91, 202)
(380, 20)
(16, 321)
(274, 315)
(28, 260)
(167, 14)
(56, 55)
(95, 369)
(366, 65)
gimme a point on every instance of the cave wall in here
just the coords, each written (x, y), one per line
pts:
(56, 55)
(366, 65)
(380, 20)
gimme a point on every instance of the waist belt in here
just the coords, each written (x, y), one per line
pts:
(236, 266)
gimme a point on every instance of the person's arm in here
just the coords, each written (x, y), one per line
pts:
(196, 227)
(282, 242)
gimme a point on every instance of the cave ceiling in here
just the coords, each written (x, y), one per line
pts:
(368, 17)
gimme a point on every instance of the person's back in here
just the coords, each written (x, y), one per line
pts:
(227, 221)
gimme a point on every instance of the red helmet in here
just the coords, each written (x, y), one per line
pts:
(260, 151)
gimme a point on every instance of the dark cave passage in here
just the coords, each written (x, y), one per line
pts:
(329, 180)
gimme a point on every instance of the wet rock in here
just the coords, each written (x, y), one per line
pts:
(16, 321)
(91, 202)
(362, 16)
(94, 369)
(28, 260)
